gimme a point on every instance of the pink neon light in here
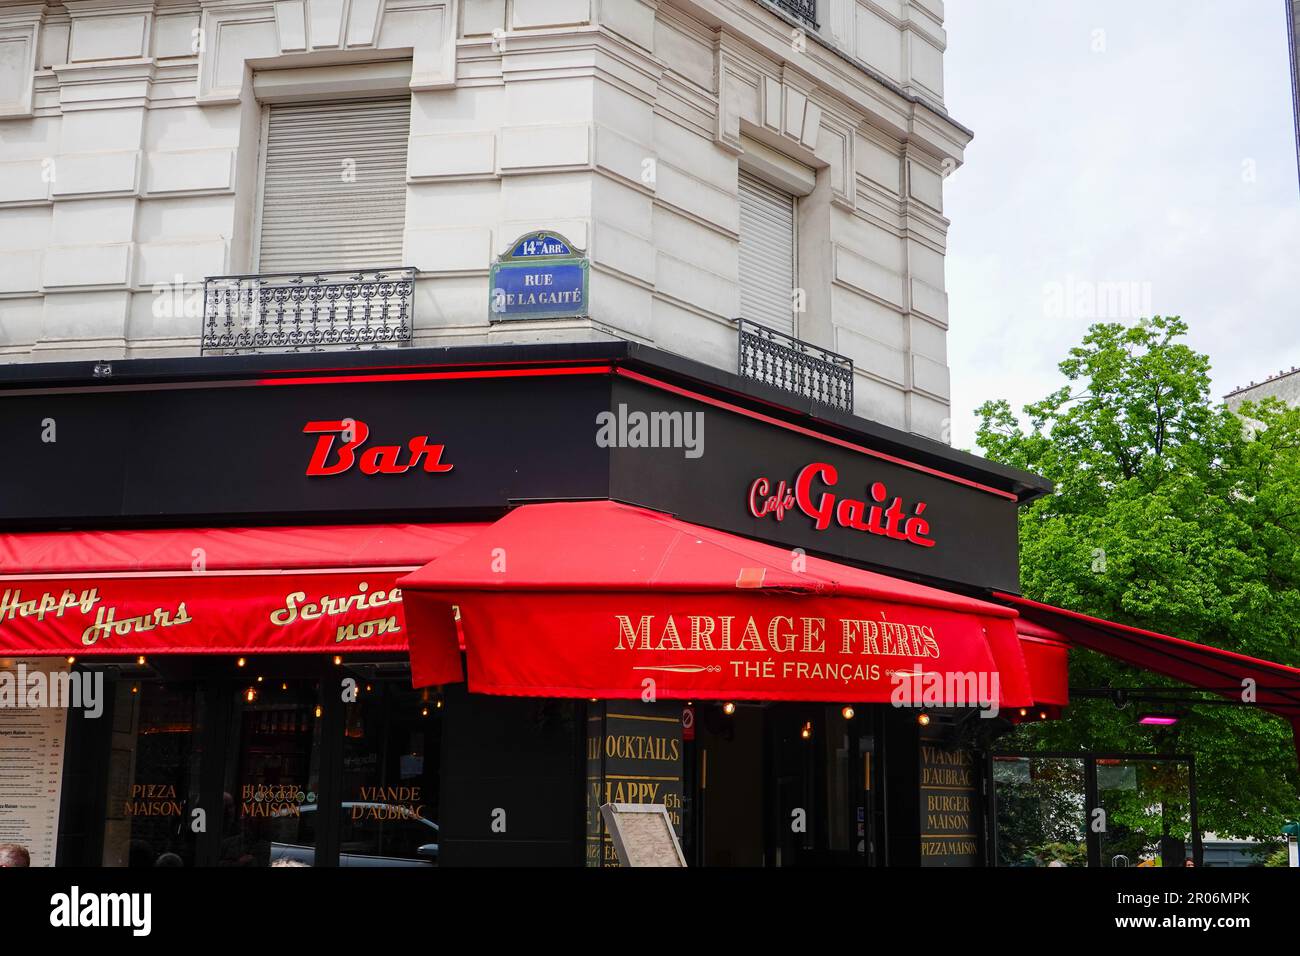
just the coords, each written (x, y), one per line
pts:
(1157, 720)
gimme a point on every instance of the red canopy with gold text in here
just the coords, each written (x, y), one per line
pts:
(212, 590)
(600, 599)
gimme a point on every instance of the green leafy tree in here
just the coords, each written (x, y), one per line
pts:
(1173, 514)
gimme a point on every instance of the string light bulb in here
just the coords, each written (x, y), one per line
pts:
(848, 713)
(241, 662)
(806, 731)
(729, 708)
(923, 719)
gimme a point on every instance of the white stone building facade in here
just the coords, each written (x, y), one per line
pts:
(147, 145)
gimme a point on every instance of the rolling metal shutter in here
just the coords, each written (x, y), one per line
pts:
(334, 186)
(766, 254)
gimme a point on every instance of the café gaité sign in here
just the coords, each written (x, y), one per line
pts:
(541, 276)
(813, 494)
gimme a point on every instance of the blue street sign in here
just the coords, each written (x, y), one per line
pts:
(541, 277)
(541, 291)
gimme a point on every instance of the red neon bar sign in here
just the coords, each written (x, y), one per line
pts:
(376, 460)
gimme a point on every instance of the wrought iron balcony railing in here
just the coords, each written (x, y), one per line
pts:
(795, 366)
(313, 311)
(805, 11)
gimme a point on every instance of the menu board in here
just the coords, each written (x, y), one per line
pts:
(634, 756)
(950, 819)
(31, 763)
(643, 834)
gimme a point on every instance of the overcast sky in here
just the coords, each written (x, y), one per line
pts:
(1129, 156)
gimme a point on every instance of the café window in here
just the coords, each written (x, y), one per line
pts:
(291, 760)
(153, 772)
(272, 791)
(391, 741)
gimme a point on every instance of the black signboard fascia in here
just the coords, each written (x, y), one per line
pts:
(235, 452)
(975, 531)
(182, 456)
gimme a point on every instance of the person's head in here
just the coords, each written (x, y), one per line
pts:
(287, 861)
(14, 855)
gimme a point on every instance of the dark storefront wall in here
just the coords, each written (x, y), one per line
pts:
(513, 790)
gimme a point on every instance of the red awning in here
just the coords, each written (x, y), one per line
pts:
(595, 599)
(1276, 687)
(212, 590)
(1047, 659)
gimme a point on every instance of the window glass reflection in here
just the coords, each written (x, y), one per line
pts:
(152, 771)
(391, 743)
(1040, 815)
(271, 793)
(1148, 812)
